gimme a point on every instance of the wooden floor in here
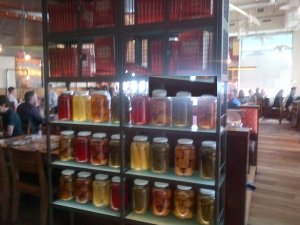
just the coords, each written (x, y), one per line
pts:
(276, 200)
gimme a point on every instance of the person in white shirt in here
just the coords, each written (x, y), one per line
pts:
(12, 98)
(52, 98)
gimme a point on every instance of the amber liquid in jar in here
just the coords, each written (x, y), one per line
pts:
(82, 146)
(185, 157)
(140, 196)
(161, 199)
(160, 108)
(100, 106)
(83, 187)
(140, 109)
(66, 185)
(160, 155)
(115, 109)
(64, 106)
(207, 160)
(99, 149)
(184, 198)
(66, 145)
(79, 103)
(140, 153)
(207, 112)
(182, 109)
(206, 207)
(101, 190)
(114, 151)
(115, 194)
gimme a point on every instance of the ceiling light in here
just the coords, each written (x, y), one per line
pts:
(27, 57)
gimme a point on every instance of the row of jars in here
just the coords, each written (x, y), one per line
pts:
(98, 150)
(159, 110)
(105, 192)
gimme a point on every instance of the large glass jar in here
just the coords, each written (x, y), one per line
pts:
(115, 108)
(182, 109)
(161, 199)
(207, 159)
(83, 187)
(185, 157)
(114, 151)
(140, 153)
(160, 155)
(140, 109)
(207, 112)
(101, 190)
(66, 185)
(184, 198)
(80, 103)
(160, 108)
(115, 194)
(82, 146)
(99, 149)
(206, 207)
(64, 105)
(140, 196)
(66, 145)
(100, 103)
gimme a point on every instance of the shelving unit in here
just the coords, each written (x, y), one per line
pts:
(158, 65)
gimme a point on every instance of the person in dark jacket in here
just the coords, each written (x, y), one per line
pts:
(11, 122)
(28, 112)
(278, 99)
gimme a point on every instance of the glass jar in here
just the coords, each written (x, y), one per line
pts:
(160, 108)
(83, 187)
(206, 207)
(184, 198)
(82, 146)
(115, 108)
(182, 109)
(114, 151)
(100, 106)
(140, 196)
(140, 153)
(161, 199)
(140, 109)
(99, 149)
(101, 190)
(64, 105)
(66, 145)
(79, 102)
(88, 108)
(207, 112)
(207, 159)
(160, 155)
(66, 185)
(115, 194)
(185, 157)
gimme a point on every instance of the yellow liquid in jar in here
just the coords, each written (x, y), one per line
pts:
(101, 193)
(140, 155)
(79, 104)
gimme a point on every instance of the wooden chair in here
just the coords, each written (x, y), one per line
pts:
(4, 185)
(30, 163)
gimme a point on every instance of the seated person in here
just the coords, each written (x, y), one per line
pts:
(11, 122)
(241, 97)
(28, 112)
(278, 98)
(233, 103)
(290, 98)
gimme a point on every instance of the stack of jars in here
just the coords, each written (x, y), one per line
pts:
(159, 110)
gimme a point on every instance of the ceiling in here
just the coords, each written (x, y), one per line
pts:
(273, 15)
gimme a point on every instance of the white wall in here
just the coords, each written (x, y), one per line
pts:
(7, 62)
(296, 60)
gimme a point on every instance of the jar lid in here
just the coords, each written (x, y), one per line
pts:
(82, 93)
(67, 172)
(115, 136)
(117, 179)
(84, 133)
(159, 93)
(185, 141)
(209, 144)
(99, 135)
(160, 140)
(161, 184)
(101, 176)
(99, 92)
(184, 188)
(84, 174)
(183, 94)
(68, 92)
(140, 182)
(67, 132)
(140, 138)
(207, 192)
